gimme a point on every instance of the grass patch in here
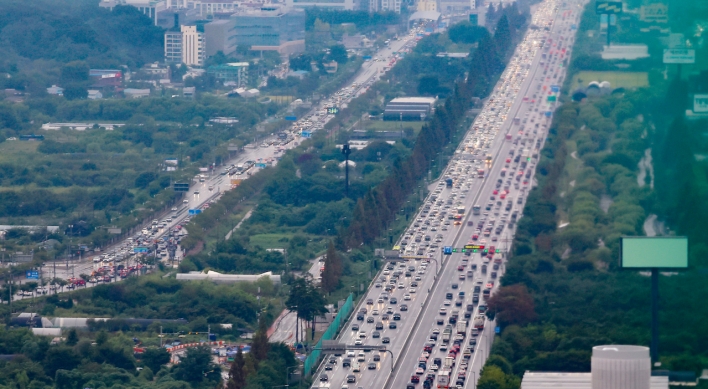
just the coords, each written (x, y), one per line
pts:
(270, 241)
(629, 80)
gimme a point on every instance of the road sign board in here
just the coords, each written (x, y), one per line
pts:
(32, 274)
(291, 118)
(679, 56)
(555, 88)
(306, 134)
(332, 110)
(333, 347)
(181, 187)
(700, 103)
(551, 98)
(447, 250)
(474, 247)
(195, 211)
(497, 330)
(140, 250)
(261, 165)
(608, 7)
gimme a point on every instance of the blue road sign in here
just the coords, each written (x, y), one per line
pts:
(306, 134)
(32, 274)
(261, 165)
(548, 114)
(140, 250)
(555, 88)
(497, 330)
(291, 118)
(447, 250)
(195, 211)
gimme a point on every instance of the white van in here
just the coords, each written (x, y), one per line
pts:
(356, 367)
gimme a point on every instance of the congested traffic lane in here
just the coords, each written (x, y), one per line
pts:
(527, 136)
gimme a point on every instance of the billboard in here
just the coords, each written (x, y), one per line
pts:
(642, 252)
(679, 56)
(700, 103)
(608, 7)
(32, 274)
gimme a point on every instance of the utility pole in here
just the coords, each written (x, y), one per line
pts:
(346, 151)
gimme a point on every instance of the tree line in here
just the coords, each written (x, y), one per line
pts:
(374, 211)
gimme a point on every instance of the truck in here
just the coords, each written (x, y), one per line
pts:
(444, 378)
(448, 182)
(525, 157)
(479, 322)
(446, 334)
(480, 173)
(461, 210)
(462, 327)
(476, 209)
(497, 258)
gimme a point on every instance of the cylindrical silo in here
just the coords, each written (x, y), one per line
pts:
(620, 366)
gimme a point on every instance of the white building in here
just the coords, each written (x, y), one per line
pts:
(94, 94)
(226, 278)
(193, 51)
(132, 93)
(55, 90)
(612, 367)
(385, 5)
(173, 47)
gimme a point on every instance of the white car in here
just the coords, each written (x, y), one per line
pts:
(406, 297)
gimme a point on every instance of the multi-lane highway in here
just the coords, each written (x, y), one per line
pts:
(213, 184)
(491, 175)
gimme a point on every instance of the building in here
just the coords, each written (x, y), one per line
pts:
(173, 47)
(193, 50)
(131, 93)
(612, 367)
(409, 108)
(625, 52)
(55, 90)
(217, 37)
(150, 8)
(339, 5)
(654, 13)
(234, 74)
(454, 6)
(94, 94)
(79, 127)
(270, 28)
(385, 5)
(189, 92)
(427, 5)
(226, 278)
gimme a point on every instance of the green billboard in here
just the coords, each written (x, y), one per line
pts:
(642, 252)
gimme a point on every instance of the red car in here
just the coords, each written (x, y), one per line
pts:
(80, 283)
(415, 379)
(460, 268)
(475, 237)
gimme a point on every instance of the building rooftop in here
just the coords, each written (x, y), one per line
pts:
(403, 100)
(536, 380)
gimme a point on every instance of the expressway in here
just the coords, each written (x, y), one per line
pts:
(511, 129)
(267, 150)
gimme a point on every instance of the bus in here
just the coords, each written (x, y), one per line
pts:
(461, 209)
(476, 209)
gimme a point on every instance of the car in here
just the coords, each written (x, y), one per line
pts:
(415, 379)
(324, 378)
(371, 366)
(370, 319)
(385, 340)
(346, 362)
(447, 303)
(407, 297)
(396, 316)
(375, 334)
(355, 327)
(329, 366)
(351, 379)
(375, 312)
(393, 300)
(404, 307)
(454, 286)
(377, 357)
(419, 371)
(392, 325)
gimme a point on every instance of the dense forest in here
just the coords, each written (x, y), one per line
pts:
(38, 36)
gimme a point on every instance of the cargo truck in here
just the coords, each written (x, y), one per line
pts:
(446, 334)
(479, 322)
(462, 327)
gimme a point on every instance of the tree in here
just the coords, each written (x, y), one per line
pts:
(338, 53)
(75, 92)
(72, 338)
(197, 365)
(512, 305)
(74, 72)
(332, 269)
(502, 36)
(260, 345)
(237, 377)
(155, 358)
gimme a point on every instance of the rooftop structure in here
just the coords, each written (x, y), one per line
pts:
(612, 367)
(226, 278)
(409, 108)
(270, 28)
(341, 5)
